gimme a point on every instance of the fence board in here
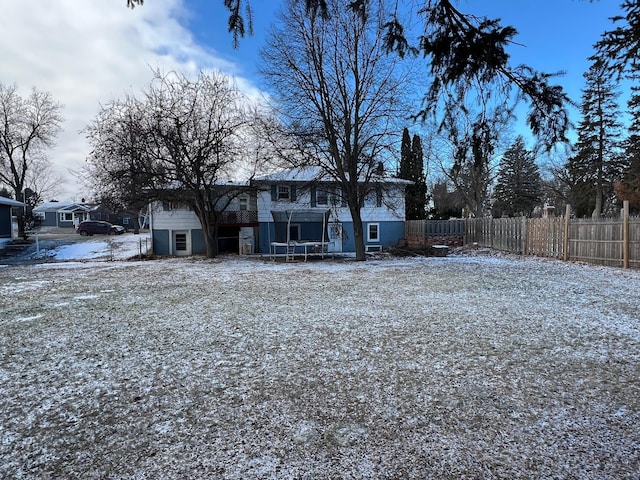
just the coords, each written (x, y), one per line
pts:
(598, 241)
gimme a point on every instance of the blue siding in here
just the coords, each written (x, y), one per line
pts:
(161, 242)
(50, 219)
(266, 234)
(5, 221)
(198, 246)
(390, 234)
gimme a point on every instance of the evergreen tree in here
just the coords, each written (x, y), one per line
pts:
(596, 164)
(417, 191)
(447, 201)
(405, 155)
(629, 187)
(518, 188)
(618, 48)
(411, 168)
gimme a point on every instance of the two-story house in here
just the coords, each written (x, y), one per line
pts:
(303, 208)
(306, 206)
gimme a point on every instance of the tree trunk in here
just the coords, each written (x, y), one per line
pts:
(209, 223)
(358, 235)
(211, 241)
(597, 211)
(20, 215)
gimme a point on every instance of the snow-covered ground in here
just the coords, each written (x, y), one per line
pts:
(235, 368)
(97, 247)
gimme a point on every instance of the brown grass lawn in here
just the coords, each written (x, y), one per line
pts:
(457, 367)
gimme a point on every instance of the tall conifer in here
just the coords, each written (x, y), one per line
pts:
(596, 164)
(518, 187)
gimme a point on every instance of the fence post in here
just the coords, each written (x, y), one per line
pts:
(567, 214)
(625, 234)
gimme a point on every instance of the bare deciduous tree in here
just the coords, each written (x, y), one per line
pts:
(183, 141)
(339, 94)
(28, 126)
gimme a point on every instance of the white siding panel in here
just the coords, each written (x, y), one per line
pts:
(175, 220)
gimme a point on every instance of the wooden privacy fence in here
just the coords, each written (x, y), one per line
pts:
(606, 241)
(433, 232)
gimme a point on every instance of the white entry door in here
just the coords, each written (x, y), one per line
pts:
(335, 237)
(181, 243)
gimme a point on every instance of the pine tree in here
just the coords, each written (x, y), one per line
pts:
(405, 155)
(518, 188)
(418, 190)
(411, 168)
(629, 186)
(596, 164)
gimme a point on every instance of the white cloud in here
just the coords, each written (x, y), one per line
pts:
(88, 52)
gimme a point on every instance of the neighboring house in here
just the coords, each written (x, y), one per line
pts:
(6, 217)
(304, 206)
(63, 214)
(176, 230)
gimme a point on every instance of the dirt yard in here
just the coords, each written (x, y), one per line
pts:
(457, 367)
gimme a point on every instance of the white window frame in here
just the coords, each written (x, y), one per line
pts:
(66, 216)
(243, 203)
(375, 238)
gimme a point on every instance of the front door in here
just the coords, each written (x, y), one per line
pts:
(335, 237)
(181, 243)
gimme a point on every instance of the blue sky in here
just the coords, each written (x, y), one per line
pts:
(555, 35)
(87, 53)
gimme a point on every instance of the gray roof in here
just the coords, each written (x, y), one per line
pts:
(62, 206)
(10, 202)
(318, 174)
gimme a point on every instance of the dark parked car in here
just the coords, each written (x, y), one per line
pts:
(89, 227)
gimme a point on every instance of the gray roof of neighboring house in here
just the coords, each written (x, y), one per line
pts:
(63, 206)
(10, 202)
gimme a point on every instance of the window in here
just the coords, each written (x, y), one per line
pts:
(283, 192)
(373, 232)
(181, 242)
(373, 198)
(66, 217)
(125, 220)
(322, 198)
(244, 203)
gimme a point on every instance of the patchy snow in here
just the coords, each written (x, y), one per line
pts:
(481, 366)
(104, 247)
